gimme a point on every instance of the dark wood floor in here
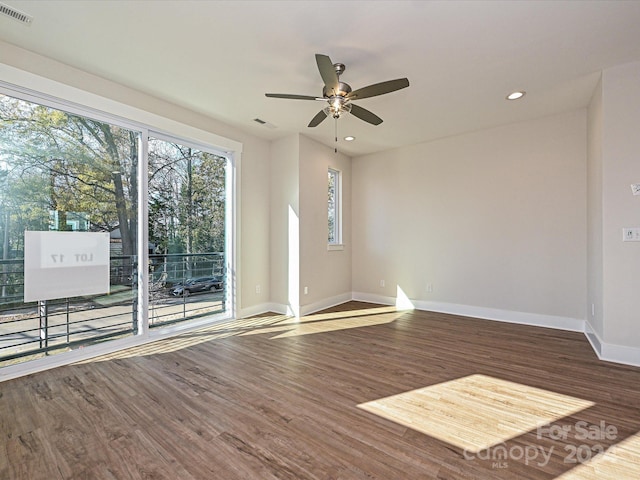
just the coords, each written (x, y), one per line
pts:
(276, 404)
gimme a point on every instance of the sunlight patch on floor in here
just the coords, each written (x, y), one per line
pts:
(266, 324)
(620, 461)
(340, 324)
(220, 330)
(314, 317)
(330, 322)
(475, 412)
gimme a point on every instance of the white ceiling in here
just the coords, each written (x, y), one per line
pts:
(219, 58)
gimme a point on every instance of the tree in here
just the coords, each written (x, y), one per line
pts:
(89, 166)
(58, 167)
(186, 199)
(186, 207)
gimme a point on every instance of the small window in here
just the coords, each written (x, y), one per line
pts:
(334, 207)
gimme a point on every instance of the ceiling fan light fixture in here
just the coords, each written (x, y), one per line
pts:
(518, 94)
(337, 111)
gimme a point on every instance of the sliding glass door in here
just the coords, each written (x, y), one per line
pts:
(67, 169)
(187, 233)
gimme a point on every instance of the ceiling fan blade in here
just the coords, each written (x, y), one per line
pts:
(328, 73)
(317, 120)
(293, 97)
(378, 89)
(366, 115)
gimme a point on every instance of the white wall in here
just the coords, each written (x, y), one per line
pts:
(299, 255)
(621, 167)
(494, 219)
(327, 274)
(284, 229)
(595, 300)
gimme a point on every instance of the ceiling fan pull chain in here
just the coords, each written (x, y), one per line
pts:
(336, 123)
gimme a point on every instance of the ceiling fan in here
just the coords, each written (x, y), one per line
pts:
(339, 94)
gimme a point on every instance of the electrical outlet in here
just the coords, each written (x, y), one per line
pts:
(258, 289)
(631, 234)
(306, 290)
(429, 287)
(382, 283)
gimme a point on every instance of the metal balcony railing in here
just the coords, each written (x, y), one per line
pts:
(42, 328)
(171, 299)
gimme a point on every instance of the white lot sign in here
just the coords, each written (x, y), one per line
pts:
(65, 264)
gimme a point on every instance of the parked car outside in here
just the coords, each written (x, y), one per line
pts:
(195, 285)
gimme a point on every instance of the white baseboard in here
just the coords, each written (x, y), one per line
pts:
(294, 311)
(620, 354)
(610, 352)
(593, 338)
(539, 320)
(262, 308)
(373, 298)
(509, 316)
(325, 303)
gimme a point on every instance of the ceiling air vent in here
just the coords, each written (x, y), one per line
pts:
(264, 123)
(15, 14)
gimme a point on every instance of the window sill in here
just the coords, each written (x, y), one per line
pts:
(335, 246)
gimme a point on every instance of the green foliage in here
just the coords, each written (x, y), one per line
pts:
(186, 199)
(58, 162)
(55, 164)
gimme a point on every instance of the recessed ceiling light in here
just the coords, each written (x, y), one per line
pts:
(349, 138)
(516, 95)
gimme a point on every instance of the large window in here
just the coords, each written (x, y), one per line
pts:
(334, 207)
(74, 170)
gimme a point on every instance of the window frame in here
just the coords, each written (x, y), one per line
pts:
(39, 90)
(228, 302)
(337, 243)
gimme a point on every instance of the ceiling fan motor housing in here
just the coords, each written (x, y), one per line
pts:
(343, 90)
